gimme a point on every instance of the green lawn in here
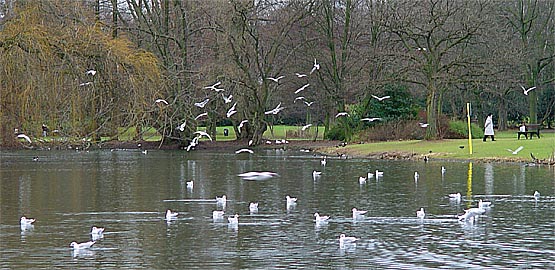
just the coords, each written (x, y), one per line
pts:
(279, 133)
(543, 148)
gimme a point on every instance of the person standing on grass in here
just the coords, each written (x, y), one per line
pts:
(488, 128)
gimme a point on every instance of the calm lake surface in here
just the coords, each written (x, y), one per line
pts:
(128, 193)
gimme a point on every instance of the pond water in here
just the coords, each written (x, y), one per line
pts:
(128, 193)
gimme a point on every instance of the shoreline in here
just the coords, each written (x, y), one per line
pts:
(325, 148)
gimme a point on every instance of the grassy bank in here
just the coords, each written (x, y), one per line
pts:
(542, 148)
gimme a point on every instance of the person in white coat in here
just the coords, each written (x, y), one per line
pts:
(488, 128)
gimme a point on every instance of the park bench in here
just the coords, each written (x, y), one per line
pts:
(531, 129)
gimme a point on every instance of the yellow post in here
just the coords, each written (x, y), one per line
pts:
(469, 130)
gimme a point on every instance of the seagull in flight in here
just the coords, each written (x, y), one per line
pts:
(527, 90)
(423, 125)
(200, 115)
(371, 119)
(308, 104)
(227, 99)
(91, 72)
(276, 110)
(315, 67)
(299, 75)
(24, 137)
(242, 123)
(516, 150)
(213, 87)
(85, 84)
(276, 79)
(203, 133)
(341, 114)
(302, 88)
(298, 98)
(231, 110)
(202, 103)
(161, 101)
(305, 127)
(381, 98)
(182, 126)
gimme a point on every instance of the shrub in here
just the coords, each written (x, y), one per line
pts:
(336, 133)
(459, 130)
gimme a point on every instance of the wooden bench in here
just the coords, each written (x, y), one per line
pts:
(531, 129)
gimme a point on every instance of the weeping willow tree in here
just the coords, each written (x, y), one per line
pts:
(69, 73)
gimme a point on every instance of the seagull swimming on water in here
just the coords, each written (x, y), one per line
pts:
(253, 207)
(290, 200)
(234, 220)
(218, 214)
(536, 195)
(190, 184)
(95, 231)
(171, 215)
(346, 240)
(420, 213)
(84, 245)
(319, 218)
(357, 214)
(221, 200)
(26, 221)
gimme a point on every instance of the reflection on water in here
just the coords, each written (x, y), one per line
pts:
(128, 193)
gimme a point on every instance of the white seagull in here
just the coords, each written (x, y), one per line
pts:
(257, 176)
(26, 221)
(200, 115)
(84, 245)
(416, 176)
(161, 101)
(536, 195)
(276, 110)
(323, 161)
(300, 75)
(221, 200)
(381, 98)
(290, 200)
(341, 114)
(234, 220)
(242, 123)
(514, 152)
(527, 90)
(218, 214)
(319, 218)
(442, 170)
(231, 110)
(213, 87)
(302, 88)
(227, 99)
(253, 207)
(315, 67)
(25, 137)
(182, 126)
(316, 174)
(85, 84)
(203, 133)
(369, 175)
(420, 213)
(357, 214)
(362, 180)
(378, 174)
(371, 119)
(483, 205)
(96, 231)
(190, 184)
(276, 79)
(455, 196)
(298, 98)
(202, 103)
(423, 125)
(346, 240)
(171, 215)
(244, 150)
(470, 214)
(308, 104)
(305, 127)
(91, 72)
